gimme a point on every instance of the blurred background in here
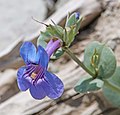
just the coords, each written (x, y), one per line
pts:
(102, 23)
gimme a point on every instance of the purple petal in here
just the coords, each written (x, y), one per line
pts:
(52, 85)
(49, 45)
(23, 83)
(42, 57)
(28, 52)
(37, 91)
(77, 15)
(54, 46)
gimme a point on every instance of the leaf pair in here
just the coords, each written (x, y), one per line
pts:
(106, 64)
(98, 57)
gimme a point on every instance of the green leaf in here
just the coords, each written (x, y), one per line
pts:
(65, 36)
(89, 51)
(70, 35)
(78, 24)
(57, 54)
(41, 43)
(71, 20)
(87, 83)
(55, 31)
(106, 60)
(43, 39)
(111, 88)
(45, 36)
(107, 63)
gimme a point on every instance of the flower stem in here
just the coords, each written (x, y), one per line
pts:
(68, 51)
(111, 86)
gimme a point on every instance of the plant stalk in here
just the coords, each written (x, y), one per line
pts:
(68, 51)
(111, 86)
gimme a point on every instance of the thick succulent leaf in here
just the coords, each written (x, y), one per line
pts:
(89, 51)
(107, 63)
(113, 93)
(87, 83)
(106, 60)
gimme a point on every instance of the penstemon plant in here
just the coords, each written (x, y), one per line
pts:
(99, 62)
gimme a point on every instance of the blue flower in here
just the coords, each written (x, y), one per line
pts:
(34, 75)
(77, 15)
